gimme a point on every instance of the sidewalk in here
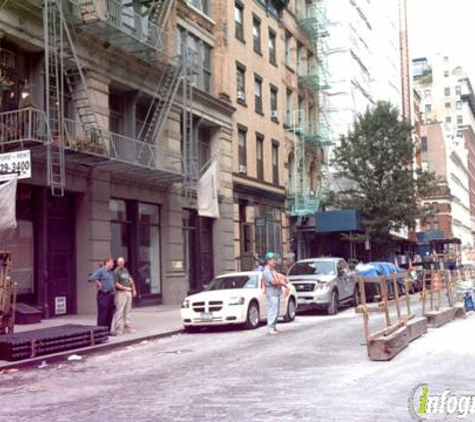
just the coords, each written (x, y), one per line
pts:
(150, 322)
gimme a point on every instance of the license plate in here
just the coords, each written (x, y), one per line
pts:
(206, 316)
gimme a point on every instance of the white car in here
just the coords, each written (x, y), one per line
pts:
(235, 298)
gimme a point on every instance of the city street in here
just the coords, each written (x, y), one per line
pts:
(315, 370)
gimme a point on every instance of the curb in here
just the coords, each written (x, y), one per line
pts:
(62, 356)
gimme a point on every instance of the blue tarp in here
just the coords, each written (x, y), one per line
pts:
(375, 269)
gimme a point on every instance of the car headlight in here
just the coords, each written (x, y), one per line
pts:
(185, 304)
(237, 300)
(321, 286)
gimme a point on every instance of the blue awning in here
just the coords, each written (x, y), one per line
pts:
(338, 221)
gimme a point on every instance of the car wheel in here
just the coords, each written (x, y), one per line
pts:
(252, 320)
(333, 306)
(355, 300)
(290, 314)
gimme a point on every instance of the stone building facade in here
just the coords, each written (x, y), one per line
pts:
(114, 203)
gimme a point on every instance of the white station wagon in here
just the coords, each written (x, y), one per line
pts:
(235, 298)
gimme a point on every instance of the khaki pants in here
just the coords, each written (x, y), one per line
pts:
(123, 308)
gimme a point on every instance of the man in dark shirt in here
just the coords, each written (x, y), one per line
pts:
(104, 279)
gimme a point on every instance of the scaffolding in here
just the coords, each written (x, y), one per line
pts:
(302, 201)
(136, 28)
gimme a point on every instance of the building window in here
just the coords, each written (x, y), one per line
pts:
(242, 150)
(241, 83)
(268, 230)
(300, 60)
(135, 235)
(274, 114)
(446, 73)
(459, 105)
(459, 119)
(258, 94)
(428, 108)
(448, 105)
(288, 40)
(149, 249)
(458, 90)
(427, 93)
(275, 163)
(256, 34)
(260, 156)
(201, 5)
(448, 119)
(201, 54)
(239, 20)
(272, 47)
(447, 92)
(459, 134)
(424, 144)
(289, 107)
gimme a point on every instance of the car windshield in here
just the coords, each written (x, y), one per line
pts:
(313, 267)
(234, 282)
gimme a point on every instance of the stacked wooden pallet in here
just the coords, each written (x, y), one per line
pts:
(50, 340)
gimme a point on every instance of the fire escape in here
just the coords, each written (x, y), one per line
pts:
(137, 29)
(309, 133)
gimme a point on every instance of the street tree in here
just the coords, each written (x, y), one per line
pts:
(375, 162)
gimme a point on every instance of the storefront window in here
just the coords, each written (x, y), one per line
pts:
(21, 247)
(119, 229)
(149, 249)
(268, 230)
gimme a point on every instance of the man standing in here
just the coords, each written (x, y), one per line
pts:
(125, 290)
(273, 287)
(104, 279)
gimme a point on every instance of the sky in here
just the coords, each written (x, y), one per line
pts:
(443, 26)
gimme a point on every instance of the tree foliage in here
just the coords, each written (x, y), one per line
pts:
(375, 163)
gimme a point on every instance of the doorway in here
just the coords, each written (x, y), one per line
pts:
(199, 249)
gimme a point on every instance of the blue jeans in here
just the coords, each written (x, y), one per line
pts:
(273, 303)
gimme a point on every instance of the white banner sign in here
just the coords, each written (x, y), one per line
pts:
(208, 193)
(8, 222)
(13, 164)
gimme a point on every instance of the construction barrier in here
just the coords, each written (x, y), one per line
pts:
(399, 331)
(442, 293)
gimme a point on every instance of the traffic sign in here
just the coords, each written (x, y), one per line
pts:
(16, 163)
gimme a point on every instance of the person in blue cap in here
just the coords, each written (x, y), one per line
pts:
(273, 288)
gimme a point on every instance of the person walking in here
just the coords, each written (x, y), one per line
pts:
(124, 292)
(104, 279)
(273, 284)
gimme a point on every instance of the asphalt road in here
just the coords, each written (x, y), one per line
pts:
(315, 370)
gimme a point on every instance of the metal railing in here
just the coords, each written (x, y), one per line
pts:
(30, 125)
(26, 125)
(119, 16)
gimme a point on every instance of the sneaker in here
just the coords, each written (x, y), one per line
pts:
(272, 333)
(130, 330)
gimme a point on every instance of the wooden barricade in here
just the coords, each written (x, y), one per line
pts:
(435, 282)
(384, 344)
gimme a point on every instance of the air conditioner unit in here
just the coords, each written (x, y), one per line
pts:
(241, 95)
(274, 114)
(242, 169)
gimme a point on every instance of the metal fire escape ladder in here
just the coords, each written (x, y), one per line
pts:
(54, 99)
(190, 143)
(313, 20)
(78, 89)
(160, 107)
(160, 11)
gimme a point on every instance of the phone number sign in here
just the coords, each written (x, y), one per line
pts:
(16, 163)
